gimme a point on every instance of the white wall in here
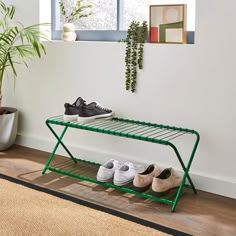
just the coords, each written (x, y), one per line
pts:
(191, 86)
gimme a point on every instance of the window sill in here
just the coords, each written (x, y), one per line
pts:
(113, 42)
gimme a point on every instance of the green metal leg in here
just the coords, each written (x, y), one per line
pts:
(181, 187)
(179, 192)
(186, 170)
(60, 141)
(56, 146)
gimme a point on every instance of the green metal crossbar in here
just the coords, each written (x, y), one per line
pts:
(144, 131)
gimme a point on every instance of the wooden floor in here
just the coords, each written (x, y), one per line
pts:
(201, 214)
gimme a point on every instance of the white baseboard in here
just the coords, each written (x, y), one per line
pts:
(201, 182)
(213, 185)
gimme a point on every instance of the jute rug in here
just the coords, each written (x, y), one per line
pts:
(31, 211)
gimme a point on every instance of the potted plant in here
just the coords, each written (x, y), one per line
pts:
(136, 37)
(17, 44)
(71, 12)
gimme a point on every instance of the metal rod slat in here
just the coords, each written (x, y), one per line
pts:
(177, 136)
(123, 128)
(120, 126)
(60, 119)
(130, 128)
(171, 131)
(56, 117)
(134, 131)
(146, 130)
(114, 126)
(103, 128)
(62, 163)
(172, 134)
(156, 125)
(154, 133)
(75, 123)
(100, 124)
(97, 122)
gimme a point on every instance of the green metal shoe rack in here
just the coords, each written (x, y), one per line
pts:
(149, 132)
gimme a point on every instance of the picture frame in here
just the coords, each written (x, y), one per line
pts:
(167, 23)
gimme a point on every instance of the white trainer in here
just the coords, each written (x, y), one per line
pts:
(126, 173)
(107, 170)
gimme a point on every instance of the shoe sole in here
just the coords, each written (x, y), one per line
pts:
(70, 118)
(141, 189)
(84, 119)
(105, 180)
(123, 184)
(161, 194)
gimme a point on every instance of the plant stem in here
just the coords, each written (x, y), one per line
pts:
(1, 80)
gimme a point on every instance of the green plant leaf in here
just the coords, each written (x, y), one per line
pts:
(75, 12)
(17, 43)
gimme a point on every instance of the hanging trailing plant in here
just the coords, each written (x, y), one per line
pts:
(135, 40)
(128, 59)
(142, 38)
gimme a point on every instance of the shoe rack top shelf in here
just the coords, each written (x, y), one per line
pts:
(145, 131)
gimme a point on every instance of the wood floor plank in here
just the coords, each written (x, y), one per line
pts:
(201, 214)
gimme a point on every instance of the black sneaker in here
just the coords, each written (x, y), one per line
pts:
(72, 111)
(82, 112)
(93, 111)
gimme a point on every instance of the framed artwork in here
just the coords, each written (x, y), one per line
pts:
(168, 23)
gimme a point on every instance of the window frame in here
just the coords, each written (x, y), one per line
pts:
(100, 35)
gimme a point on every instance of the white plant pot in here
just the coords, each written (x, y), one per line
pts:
(68, 33)
(8, 128)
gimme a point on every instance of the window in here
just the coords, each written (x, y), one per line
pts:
(112, 18)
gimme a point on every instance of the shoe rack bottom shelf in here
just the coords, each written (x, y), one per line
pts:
(87, 170)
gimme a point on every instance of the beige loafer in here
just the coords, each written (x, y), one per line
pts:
(142, 181)
(166, 181)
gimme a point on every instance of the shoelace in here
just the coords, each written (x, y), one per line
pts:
(102, 108)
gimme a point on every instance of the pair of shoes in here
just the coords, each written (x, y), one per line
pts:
(121, 174)
(160, 181)
(143, 181)
(82, 112)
